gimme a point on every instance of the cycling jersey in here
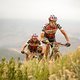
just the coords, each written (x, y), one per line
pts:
(33, 45)
(49, 31)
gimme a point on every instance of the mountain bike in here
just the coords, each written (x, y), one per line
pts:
(53, 52)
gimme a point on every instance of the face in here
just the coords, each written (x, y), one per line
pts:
(34, 39)
(52, 21)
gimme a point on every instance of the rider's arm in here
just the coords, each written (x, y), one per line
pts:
(64, 33)
(42, 33)
(22, 50)
(24, 47)
(39, 42)
(42, 36)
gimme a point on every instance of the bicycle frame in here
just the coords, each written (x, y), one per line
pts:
(54, 49)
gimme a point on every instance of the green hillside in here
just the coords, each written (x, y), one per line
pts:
(65, 68)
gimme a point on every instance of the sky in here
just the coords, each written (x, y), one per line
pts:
(35, 13)
(40, 9)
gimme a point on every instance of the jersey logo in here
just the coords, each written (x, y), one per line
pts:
(50, 30)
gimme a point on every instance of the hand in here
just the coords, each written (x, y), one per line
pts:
(22, 52)
(45, 41)
(68, 44)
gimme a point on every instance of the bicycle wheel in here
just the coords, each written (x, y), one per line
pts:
(56, 55)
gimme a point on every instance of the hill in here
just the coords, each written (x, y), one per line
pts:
(8, 53)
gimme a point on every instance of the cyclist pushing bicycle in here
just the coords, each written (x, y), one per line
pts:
(48, 34)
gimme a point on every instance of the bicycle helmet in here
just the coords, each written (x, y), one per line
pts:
(52, 18)
(34, 36)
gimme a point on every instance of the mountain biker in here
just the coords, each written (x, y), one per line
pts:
(49, 31)
(33, 46)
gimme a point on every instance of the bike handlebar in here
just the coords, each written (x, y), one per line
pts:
(57, 43)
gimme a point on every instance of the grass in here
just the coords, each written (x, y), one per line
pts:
(66, 68)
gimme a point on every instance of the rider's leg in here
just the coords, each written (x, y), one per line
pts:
(43, 49)
(28, 54)
(47, 50)
(27, 57)
(40, 52)
(31, 56)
